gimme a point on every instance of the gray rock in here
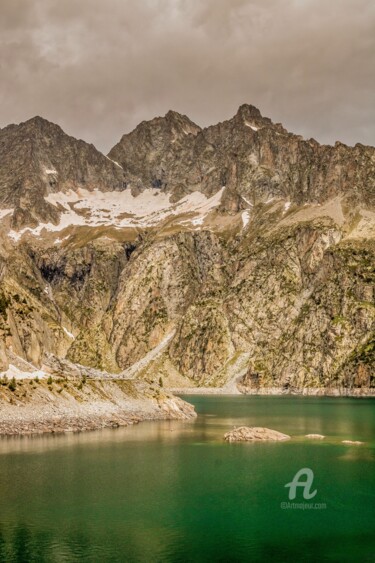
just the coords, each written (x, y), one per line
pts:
(254, 434)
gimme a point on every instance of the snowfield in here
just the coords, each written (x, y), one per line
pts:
(121, 209)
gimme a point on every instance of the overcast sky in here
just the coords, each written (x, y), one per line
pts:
(99, 67)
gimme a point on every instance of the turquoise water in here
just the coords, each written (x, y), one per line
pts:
(175, 492)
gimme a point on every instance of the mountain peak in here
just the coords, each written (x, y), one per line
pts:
(171, 114)
(39, 121)
(182, 121)
(247, 110)
(36, 125)
(249, 114)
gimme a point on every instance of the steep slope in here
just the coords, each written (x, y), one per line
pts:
(236, 248)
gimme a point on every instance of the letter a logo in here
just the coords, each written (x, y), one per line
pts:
(305, 484)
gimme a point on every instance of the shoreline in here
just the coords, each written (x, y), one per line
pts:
(42, 408)
(277, 391)
(39, 408)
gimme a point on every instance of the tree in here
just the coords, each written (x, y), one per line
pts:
(12, 385)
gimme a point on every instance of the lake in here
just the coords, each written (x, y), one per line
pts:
(176, 492)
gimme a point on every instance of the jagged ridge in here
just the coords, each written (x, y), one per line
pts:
(279, 273)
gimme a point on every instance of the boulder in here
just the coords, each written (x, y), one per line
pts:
(254, 434)
(352, 442)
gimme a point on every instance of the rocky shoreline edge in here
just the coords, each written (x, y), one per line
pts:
(37, 407)
(307, 391)
(63, 405)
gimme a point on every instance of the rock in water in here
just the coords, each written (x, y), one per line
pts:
(315, 436)
(254, 434)
(352, 442)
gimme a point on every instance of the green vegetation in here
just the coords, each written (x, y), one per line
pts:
(12, 385)
(4, 302)
(366, 354)
(338, 320)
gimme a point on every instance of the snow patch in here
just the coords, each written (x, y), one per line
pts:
(5, 212)
(60, 240)
(251, 126)
(245, 216)
(13, 371)
(287, 205)
(247, 201)
(114, 162)
(198, 221)
(68, 333)
(119, 209)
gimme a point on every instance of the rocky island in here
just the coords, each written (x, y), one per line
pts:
(254, 434)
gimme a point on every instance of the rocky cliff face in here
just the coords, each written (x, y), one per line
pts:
(239, 249)
(248, 154)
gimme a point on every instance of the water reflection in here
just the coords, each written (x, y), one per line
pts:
(144, 431)
(337, 419)
(175, 491)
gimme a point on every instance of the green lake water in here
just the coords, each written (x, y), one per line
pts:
(176, 492)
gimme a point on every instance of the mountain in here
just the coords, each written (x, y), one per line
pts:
(38, 159)
(248, 154)
(238, 256)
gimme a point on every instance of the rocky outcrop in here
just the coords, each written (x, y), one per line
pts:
(307, 302)
(352, 442)
(254, 434)
(61, 405)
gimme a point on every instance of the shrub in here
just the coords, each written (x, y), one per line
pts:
(49, 381)
(4, 302)
(12, 385)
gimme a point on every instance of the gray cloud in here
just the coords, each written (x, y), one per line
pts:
(99, 68)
